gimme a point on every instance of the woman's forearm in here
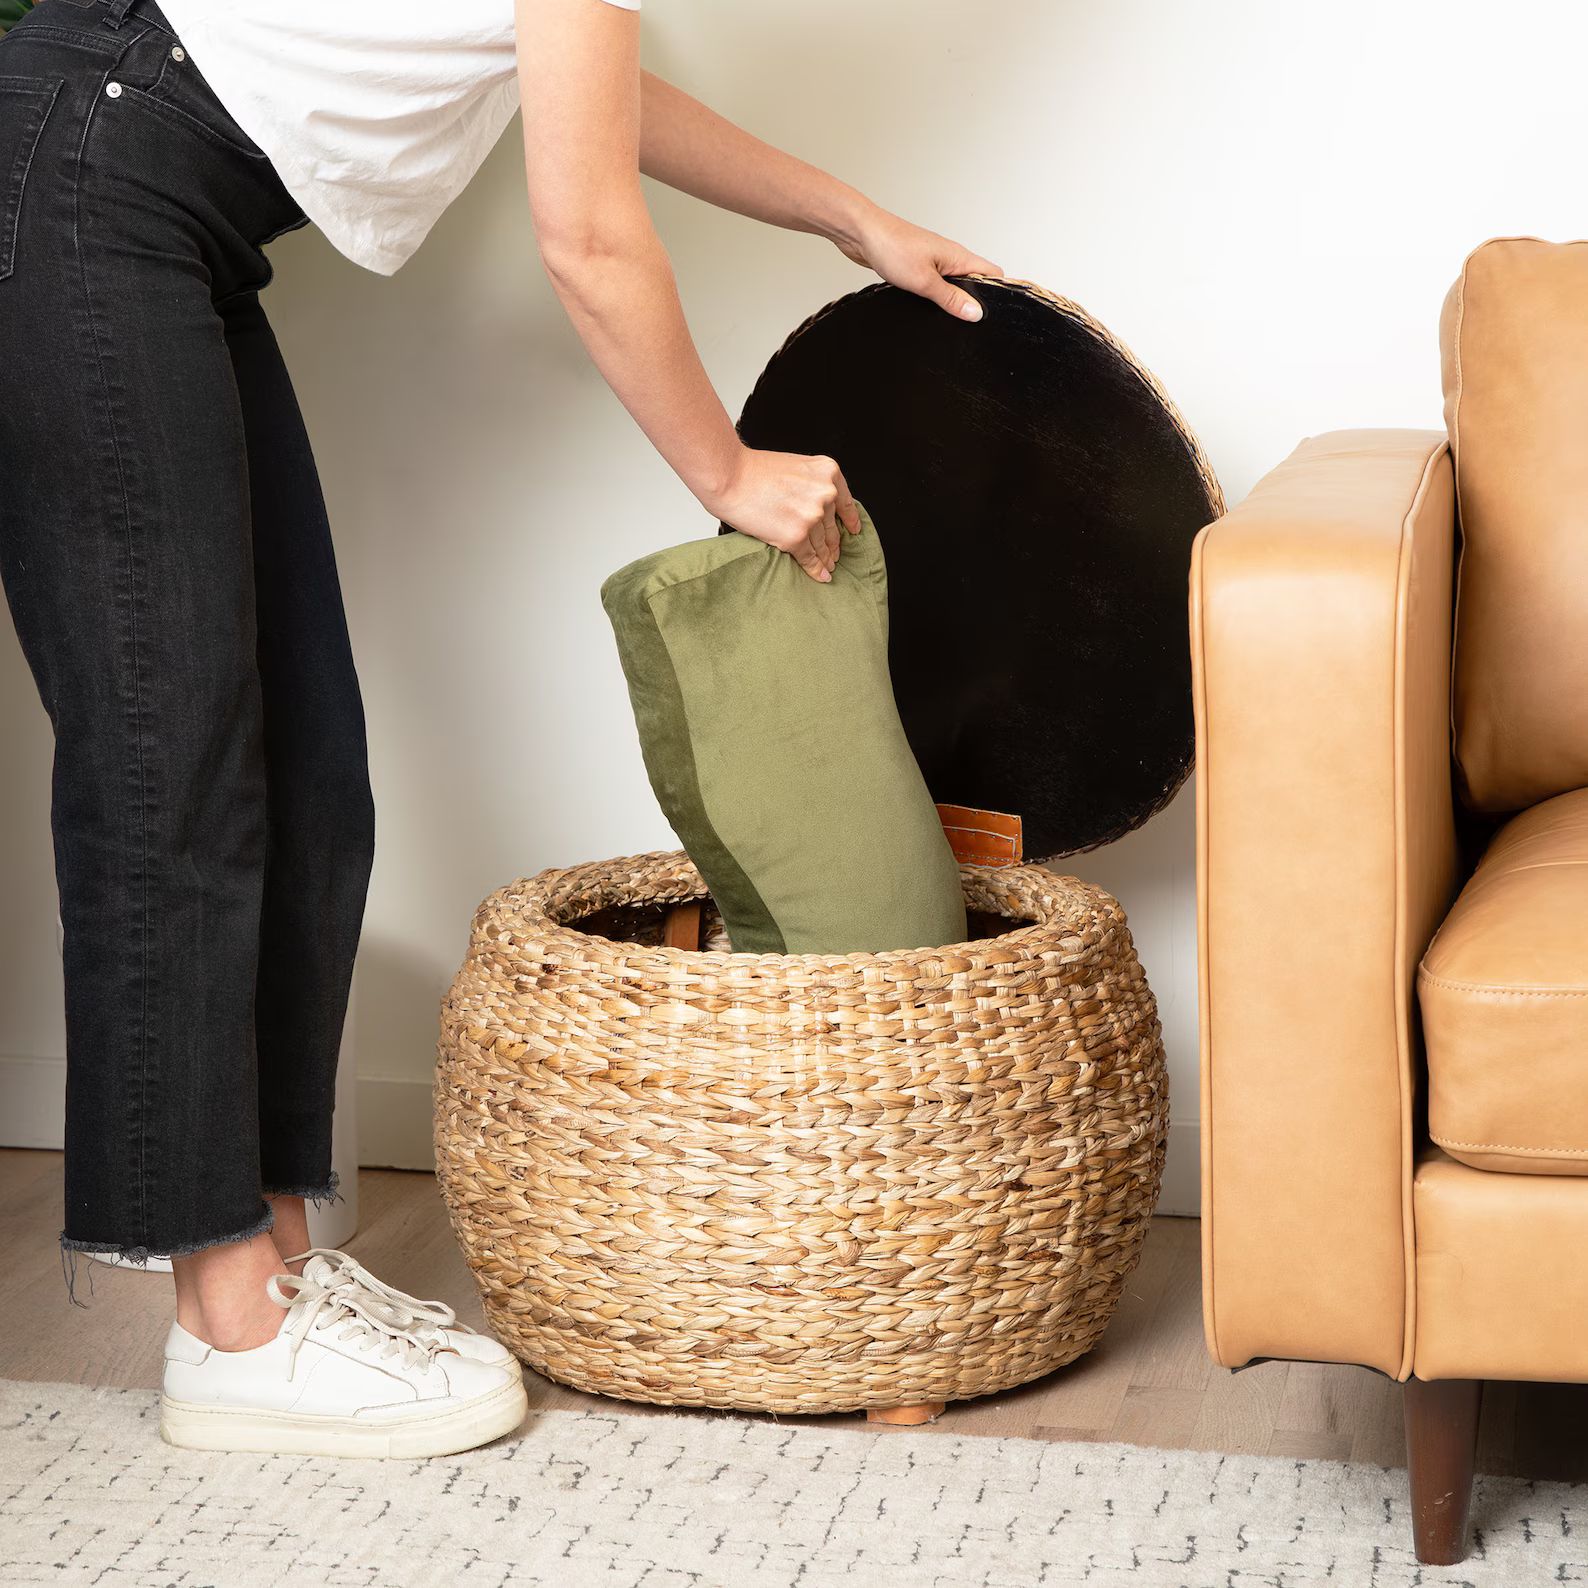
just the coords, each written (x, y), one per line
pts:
(592, 122)
(619, 291)
(617, 285)
(688, 146)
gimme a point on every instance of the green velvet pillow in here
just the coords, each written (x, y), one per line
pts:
(770, 734)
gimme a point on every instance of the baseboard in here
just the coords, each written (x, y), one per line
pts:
(394, 1125)
(32, 1101)
(1182, 1170)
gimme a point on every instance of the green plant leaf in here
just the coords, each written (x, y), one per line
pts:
(13, 11)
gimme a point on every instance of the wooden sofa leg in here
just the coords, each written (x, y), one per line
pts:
(1441, 1447)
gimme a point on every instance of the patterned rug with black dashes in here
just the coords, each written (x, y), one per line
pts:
(89, 1494)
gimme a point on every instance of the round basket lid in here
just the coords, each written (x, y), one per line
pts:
(1037, 495)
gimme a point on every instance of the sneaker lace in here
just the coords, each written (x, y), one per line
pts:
(310, 1306)
(402, 1310)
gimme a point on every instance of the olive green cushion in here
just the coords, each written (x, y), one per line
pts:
(767, 720)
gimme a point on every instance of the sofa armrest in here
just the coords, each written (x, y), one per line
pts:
(1326, 857)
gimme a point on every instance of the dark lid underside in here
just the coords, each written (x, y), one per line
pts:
(1037, 500)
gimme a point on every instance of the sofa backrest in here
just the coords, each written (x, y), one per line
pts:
(1514, 336)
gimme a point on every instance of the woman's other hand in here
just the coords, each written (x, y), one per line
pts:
(799, 504)
(917, 260)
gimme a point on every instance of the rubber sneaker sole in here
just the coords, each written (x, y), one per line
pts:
(444, 1432)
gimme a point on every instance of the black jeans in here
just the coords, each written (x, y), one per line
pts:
(167, 561)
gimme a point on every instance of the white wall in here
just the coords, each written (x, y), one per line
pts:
(1266, 200)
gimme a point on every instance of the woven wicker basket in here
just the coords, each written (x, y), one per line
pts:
(797, 1183)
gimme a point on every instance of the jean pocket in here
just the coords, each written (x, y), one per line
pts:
(25, 105)
(199, 119)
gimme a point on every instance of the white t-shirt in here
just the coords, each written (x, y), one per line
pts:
(375, 113)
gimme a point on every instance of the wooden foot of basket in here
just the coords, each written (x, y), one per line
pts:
(907, 1416)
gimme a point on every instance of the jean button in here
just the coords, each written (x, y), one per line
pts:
(178, 54)
(113, 90)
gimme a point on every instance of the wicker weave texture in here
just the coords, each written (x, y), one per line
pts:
(798, 1183)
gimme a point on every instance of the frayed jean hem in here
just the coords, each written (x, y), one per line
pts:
(138, 1256)
(320, 1195)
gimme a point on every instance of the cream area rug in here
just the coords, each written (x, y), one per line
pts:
(89, 1494)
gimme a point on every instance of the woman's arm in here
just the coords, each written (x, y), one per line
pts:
(690, 147)
(579, 68)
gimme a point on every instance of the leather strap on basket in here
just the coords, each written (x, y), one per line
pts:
(982, 838)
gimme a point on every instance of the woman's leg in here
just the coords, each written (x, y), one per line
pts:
(290, 1232)
(319, 842)
(221, 1294)
(126, 555)
(320, 821)
(127, 559)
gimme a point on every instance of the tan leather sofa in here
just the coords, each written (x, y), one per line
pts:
(1392, 724)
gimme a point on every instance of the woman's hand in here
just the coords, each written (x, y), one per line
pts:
(692, 148)
(798, 504)
(915, 259)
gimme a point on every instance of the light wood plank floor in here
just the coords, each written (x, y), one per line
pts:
(1149, 1382)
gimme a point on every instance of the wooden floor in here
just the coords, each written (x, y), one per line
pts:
(1149, 1382)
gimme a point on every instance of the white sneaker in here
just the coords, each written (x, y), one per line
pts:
(337, 1271)
(338, 1380)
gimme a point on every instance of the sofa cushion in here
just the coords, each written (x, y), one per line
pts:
(1504, 988)
(770, 733)
(1515, 342)
(1502, 1290)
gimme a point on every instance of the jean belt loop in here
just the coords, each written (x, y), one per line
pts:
(116, 11)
